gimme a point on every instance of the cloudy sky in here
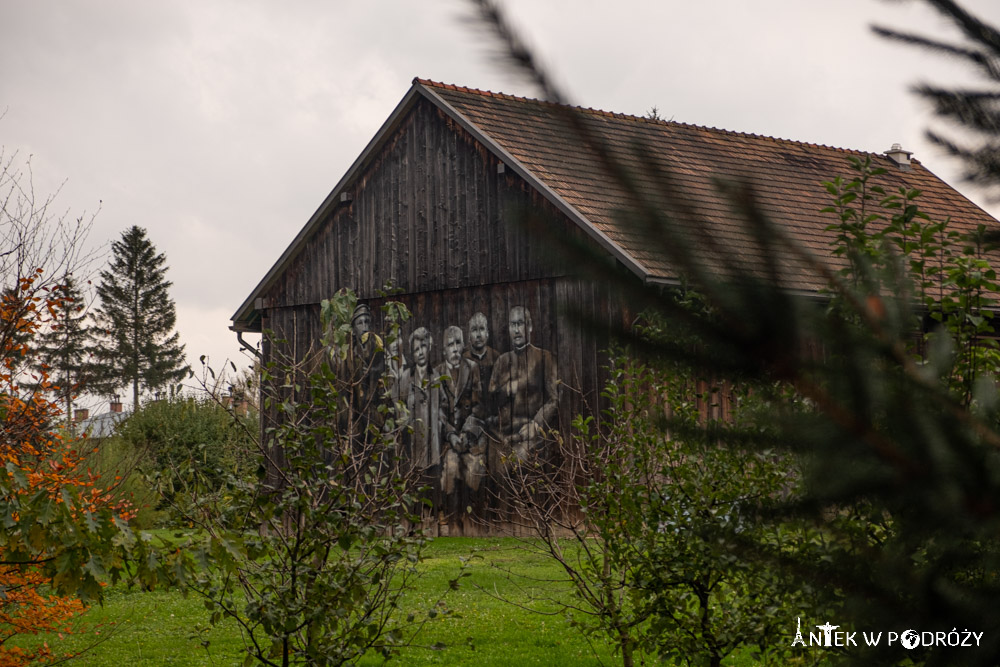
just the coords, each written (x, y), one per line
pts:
(220, 125)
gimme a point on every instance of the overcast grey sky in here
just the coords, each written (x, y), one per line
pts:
(220, 125)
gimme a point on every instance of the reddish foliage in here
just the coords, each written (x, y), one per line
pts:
(33, 449)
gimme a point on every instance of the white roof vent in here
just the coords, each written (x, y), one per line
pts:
(899, 156)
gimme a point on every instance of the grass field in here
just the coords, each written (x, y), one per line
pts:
(164, 628)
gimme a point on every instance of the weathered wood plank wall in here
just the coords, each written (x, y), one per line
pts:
(430, 212)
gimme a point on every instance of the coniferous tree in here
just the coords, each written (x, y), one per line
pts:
(62, 349)
(137, 344)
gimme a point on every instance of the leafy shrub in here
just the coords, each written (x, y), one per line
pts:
(172, 451)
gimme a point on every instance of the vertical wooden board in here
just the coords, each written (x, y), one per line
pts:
(345, 250)
(379, 235)
(497, 315)
(534, 211)
(443, 315)
(280, 291)
(367, 267)
(431, 250)
(501, 251)
(461, 210)
(446, 211)
(322, 287)
(361, 209)
(460, 264)
(399, 222)
(300, 344)
(438, 241)
(410, 197)
(353, 242)
(363, 254)
(468, 191)
(497, 236)
(349, 248)
(310, 332)
(299, 285)
(395, 214)
(419, 254)
(419, 312)
(334, 265)
(382, 233)
(567, 349)
(489, 259)
(474, 222)
(337, 265)
(541, 327)
(508, 204)
(530, 207)
(594, 372)
(428, 254)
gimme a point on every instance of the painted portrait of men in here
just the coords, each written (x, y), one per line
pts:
(463, 446)
(524, 392)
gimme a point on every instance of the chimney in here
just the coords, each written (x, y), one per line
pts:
(116, 403)
(82, 414)
(899, 156)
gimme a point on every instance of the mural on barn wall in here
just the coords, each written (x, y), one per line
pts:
(475, 411)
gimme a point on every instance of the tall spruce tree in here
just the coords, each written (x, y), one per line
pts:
(136, 341)
(62, 348)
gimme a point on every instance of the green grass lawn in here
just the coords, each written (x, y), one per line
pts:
(164, 628)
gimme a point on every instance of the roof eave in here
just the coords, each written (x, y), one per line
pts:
(665, 281)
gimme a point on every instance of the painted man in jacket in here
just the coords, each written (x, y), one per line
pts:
(462, 442)
(524, 392)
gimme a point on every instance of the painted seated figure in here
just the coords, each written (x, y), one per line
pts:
(463, 445)
(524, 391)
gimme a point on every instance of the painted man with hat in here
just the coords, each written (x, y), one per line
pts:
(366, 365)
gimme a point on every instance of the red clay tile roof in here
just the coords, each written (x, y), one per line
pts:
(787, 177)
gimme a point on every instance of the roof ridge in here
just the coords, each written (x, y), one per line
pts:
(623, 116)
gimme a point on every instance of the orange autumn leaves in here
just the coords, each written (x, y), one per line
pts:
(26, 610)
(48, 497)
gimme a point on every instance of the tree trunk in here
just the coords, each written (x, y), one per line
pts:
(626, 645)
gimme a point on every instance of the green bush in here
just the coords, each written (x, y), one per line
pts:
(179, 449)
(118, 466)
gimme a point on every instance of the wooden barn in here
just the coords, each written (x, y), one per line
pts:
(435, 206)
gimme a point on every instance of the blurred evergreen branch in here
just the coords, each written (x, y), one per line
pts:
(976, 112)
(898, 439)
